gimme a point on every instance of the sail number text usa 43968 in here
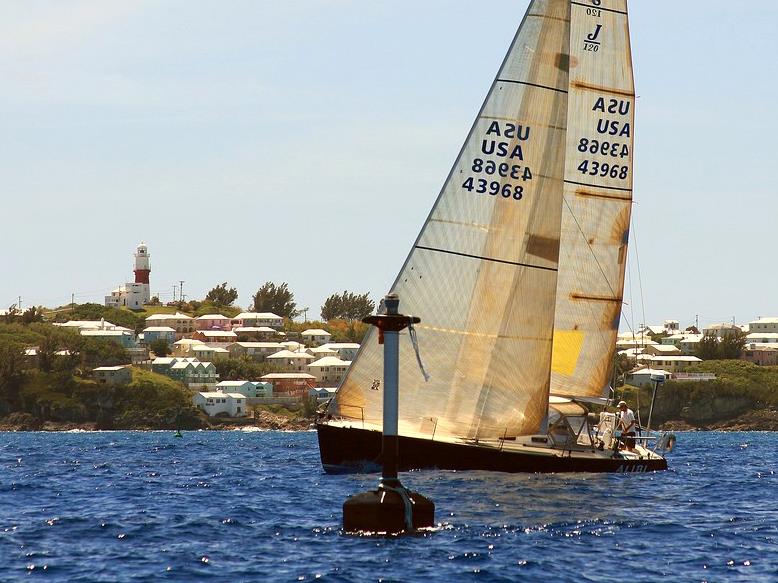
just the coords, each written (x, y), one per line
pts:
(501, 176)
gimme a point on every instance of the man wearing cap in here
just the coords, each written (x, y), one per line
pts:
(627, 425)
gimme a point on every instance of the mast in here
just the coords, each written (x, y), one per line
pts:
(483, 272)
(597, 200)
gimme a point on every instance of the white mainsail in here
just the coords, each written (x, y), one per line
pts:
(597, 197)
(483, 272)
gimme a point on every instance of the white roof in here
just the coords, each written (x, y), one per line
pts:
(232, 383)
(212, 317)
(180, 365)
(692, 338)
(322, 349)
(85, 324)
(159, 329)
(164, 360)
(257, 344)
(217, 333)
(253, 329)
(219, 395)
(725, 325)
(90, 332)
(110, 368)
(762, 335)
(292, 344)
(671, 358)
(765, 321)
(160, 317)
(650, 371)
(290, 354)
(288, 375)
(315, 332)
(202, 347)
(336, 345)
(185, 341)
(669, 348)
(330, 361)
(257, 316)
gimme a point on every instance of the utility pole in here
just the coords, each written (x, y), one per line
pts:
(19, 304)
(305, 314)
(72, 303)
(181, 290)
(174, 292)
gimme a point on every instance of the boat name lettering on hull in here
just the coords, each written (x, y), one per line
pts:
(629, 469)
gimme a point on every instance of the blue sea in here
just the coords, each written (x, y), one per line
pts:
(238, 506)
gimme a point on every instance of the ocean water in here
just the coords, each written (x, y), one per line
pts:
(239, 506)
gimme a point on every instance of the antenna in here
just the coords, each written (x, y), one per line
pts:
(181, 290)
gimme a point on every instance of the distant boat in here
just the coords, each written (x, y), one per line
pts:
(518, 272)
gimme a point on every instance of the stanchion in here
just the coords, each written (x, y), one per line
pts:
(391, 508)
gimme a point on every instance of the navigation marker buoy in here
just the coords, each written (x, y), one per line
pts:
(391, 508)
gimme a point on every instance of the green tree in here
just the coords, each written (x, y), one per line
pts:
(160, 347)
(11, 374)
(221, 295)
(708, 347)
(347, 306)
(276, 299)
(32, 314)
(732, 344)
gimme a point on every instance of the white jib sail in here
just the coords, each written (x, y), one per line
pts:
(483, 273)
(597, 198)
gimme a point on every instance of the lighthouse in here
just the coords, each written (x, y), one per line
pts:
(142, 267)
(134, 295)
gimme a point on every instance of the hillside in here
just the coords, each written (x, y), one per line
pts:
(743, 396)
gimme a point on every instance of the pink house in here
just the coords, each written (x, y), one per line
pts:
(213, 322)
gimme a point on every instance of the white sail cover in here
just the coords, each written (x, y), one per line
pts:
(597, 197)
(483, 273)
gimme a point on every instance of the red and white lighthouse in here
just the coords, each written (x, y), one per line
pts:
(142, 266)
(134, 295)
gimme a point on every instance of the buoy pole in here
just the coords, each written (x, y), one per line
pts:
(390, 445)
(390, 509)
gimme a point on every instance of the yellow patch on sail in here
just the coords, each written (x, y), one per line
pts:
(567, 348)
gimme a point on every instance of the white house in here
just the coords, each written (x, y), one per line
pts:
(256, 350)
(345, 350)
(322, 395)
(721, 329)
(207, 352)
(113, 375)
(213, 403)
(329, 369)
(258, 319)
(315, 336)
(642, 377)
(763, 325)
(181, 323)
(289, 361)
(672, 364)
(762, 338)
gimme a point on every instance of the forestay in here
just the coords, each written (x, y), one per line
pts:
(597, 197)
(483, 272)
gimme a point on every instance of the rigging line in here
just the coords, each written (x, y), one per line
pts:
(640, 279)
(597, 261)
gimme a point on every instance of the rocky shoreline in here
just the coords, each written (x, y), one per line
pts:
(264, 420)
(759, 420)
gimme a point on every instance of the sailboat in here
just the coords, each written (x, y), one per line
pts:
(518, 271)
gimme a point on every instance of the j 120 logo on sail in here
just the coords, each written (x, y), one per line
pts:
(591, 43)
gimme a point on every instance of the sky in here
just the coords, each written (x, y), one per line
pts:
(251, 141)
